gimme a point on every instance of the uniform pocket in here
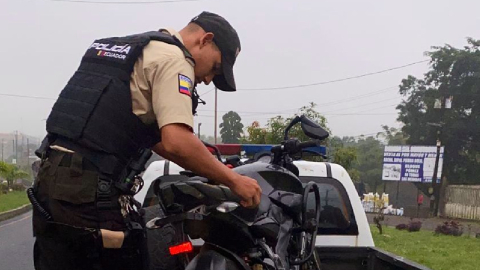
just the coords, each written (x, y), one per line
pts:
(74, 188)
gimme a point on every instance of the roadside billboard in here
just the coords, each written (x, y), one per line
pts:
(411, 163)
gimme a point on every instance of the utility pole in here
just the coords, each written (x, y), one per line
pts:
(215, 130)
(433, 189)
(16, 146)
(398, 191)
(436, 192)
(442, 105)
(28, 154)
(198, 130)
(2, 151)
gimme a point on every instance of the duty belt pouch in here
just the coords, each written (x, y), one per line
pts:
(73, 184)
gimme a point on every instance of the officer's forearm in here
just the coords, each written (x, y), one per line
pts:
(182, 147)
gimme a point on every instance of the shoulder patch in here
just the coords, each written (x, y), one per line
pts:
(185, 85)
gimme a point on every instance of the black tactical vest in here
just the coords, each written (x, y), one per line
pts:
(93, 114)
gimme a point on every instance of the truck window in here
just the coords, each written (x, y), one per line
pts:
(336, 214)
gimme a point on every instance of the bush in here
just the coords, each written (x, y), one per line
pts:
(450, 228)
(3, 189)
(412, 226)
(18, 187)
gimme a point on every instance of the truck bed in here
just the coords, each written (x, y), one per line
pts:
(363, 258)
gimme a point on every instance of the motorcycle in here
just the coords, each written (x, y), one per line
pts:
(279, 234)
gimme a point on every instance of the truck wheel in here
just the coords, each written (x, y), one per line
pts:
(158, 241)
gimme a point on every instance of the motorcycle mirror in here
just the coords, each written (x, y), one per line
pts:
(214, 150)
(227, 207)
(294, 121)
(312, 129)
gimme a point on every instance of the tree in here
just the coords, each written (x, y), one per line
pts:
(392, 136)
(3, 168)
(273, 133)
(346, 157)
(453, 73)
(366, 165)
(232, 128)
(311, 112)
(208, 139)
(276, 130)
(11, 173)
(370, 160)
(256, 134)
(361, 158)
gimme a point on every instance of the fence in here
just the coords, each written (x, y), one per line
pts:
(462, 202)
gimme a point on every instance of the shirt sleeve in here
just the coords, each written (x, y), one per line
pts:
(172, 82)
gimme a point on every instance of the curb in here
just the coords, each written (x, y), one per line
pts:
(15, 212)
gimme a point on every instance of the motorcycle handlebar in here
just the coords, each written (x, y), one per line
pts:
(308, 144)
(294, 146)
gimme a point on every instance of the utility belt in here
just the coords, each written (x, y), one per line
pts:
(110, 201)
(109, 188)
(114, 192)
(113, 171)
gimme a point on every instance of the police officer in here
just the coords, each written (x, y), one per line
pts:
(129, 94)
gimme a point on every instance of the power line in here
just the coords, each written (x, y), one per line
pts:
(48, 98)
(286, 110)
(202, 95)
(365, 135)
(252, 113)
(362, 105)
(371, 109)
(369, 94)
(256, 114)
(124, 2)
(341, 114)
(361, 135)
(334, 81)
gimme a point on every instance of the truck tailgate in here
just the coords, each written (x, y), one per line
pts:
(363, 258)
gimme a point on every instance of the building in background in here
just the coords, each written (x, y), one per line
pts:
(18, 148)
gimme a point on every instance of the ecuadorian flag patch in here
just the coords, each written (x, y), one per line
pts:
(185, 85)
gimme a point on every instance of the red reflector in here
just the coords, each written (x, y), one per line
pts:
(182, 248)
(230, 166)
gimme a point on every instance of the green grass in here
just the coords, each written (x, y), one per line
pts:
(13, 200)
(436, 252)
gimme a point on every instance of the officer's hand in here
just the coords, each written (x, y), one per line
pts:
(248, 190)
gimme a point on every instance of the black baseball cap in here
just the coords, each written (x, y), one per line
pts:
(226, 39)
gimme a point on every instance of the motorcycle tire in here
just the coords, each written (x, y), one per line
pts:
(158, 241)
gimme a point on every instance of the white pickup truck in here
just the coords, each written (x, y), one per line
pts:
(344, 240)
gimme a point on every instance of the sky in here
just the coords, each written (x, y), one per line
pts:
(284, 43)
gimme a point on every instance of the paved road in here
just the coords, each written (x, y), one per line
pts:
(16, 243)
